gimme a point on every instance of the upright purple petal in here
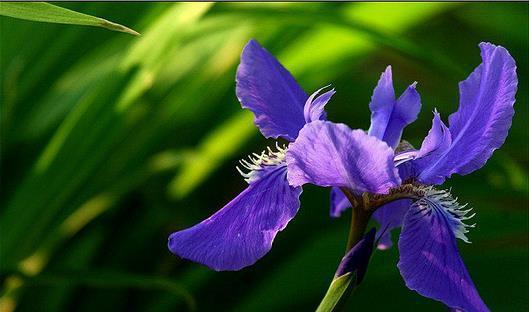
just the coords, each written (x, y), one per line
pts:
(339, 202)
(389, 116)
(242, 231)
(483, 119)
(266, 88)
(438, 140)
(429, 259)
(328, 154)
(435, 145)
(404, 113)
(315, 104)
(381, 105)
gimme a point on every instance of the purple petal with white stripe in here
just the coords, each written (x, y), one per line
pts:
(266, 88)
(241, 232)
(483, 119)
(328, 154)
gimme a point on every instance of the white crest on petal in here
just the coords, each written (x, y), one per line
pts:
(444, 203)
(256, 163)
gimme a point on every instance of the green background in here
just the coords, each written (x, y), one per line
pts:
(110, 142)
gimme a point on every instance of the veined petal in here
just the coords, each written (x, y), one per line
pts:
(339, 202)
(314, 106)
(389, 117)
(483, 119)
(328, 154)
(266, 88)
(429, 259)
(241, 232)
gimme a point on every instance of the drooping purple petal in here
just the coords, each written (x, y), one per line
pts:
(390, 217)
(388, 115)
(266, 88)
(357, 259)
(314, 106)
(328, 154)
(483, 119)
(429, 259)
(242, 231)
(339, 203)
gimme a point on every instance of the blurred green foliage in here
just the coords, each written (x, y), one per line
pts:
(110, 142)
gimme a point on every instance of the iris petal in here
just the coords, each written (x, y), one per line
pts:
(328, 154)
(429, 259)
(241, 232)
(437, 142)
(390, 217)
(483, 119)
(314, 107)
(339, 203)
(389, 116)
(266, 88)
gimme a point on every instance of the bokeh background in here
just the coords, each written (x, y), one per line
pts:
(110, 142)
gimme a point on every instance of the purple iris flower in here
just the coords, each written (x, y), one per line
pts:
(243, 231)
(377, 171)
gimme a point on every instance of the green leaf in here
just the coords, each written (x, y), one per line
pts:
(45, 12)
(337, 293)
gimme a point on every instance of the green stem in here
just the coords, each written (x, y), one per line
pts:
(362, 208)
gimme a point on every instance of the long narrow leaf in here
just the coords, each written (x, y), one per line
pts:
(45, 12)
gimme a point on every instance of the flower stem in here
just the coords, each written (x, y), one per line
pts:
(362, 208)
(359, 219)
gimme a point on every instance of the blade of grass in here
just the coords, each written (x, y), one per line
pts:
(46, 12)
(90, 129)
